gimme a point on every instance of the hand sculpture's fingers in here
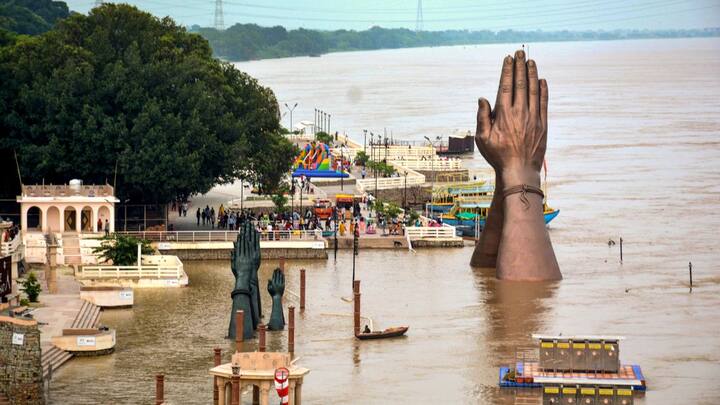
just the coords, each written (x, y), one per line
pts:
(484, 122)
(533, 92)
(256, 240)
(544, 104)
(520, 81)
(504, 96)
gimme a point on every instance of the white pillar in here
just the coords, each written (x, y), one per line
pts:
(95, 216)
(43, 219)
(23, 217)
(111, 210)
(78, 219)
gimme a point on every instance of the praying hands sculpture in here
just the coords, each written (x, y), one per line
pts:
(513, 139)
(245, 262)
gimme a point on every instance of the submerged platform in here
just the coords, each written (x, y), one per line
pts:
(530, 375)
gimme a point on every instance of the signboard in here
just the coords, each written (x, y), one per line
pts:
(171, 282)
(86, 340)
(164, 246)
(18, 339)
(5, 277)
(126, 295)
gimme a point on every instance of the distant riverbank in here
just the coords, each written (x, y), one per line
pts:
(243, 42)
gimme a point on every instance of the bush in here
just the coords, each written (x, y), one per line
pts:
(324, 137)
(121, 250)
(31, 286)
(383, 169)
(280, 202)
(361, 158)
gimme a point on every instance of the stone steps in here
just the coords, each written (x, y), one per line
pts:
(53, 357)
(87, 317)
(4, 400)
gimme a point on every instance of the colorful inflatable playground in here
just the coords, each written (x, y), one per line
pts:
(316, 160)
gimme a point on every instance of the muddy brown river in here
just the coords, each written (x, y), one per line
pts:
(634, 152)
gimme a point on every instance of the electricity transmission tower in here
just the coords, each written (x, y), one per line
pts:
(419, 17)
(219, 20)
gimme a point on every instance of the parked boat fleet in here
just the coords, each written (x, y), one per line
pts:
(466, 206)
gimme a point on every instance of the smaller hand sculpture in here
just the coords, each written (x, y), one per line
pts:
(276, 288)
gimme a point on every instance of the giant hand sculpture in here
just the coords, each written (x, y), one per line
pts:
(513, 139)
(245, 261)
(276, 288)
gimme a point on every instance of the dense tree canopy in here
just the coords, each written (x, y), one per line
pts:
(31, 16)
(120, 91)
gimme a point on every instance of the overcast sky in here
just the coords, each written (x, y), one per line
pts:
(441, 14)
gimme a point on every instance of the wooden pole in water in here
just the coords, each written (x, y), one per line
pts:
(282, 264)
(235, 392)
(302, 290)
(239, 329)
(262, 329)
(690, 268)
(159, 389)
(291, 330)
(621, 255)
(262, 345)
(217, 359)
(356, 315)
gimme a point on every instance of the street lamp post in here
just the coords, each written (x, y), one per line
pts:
(365, 141)
(291, 113)
(342, 167)
(432, 169)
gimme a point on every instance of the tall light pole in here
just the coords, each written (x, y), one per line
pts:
(291, 112)
(432, 169)
(365, 141)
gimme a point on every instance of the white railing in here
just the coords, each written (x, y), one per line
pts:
(434, 165)
(431, 232)
(221, 236)
(8, 248)
(119, 272)
(385, 183)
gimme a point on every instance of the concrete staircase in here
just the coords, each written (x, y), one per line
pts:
(71, 249)
(4, 400)
(87, 317)
(55, 358)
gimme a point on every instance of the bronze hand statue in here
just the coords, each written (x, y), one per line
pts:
(276, 288)
(513, 139)
(245, 261)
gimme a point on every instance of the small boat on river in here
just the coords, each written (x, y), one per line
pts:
(383, 334)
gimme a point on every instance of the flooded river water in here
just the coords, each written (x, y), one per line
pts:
(634, 152)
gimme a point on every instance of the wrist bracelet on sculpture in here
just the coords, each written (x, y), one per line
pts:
(523, 189)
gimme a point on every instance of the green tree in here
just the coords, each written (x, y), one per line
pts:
(120, 94)
(32, 287)
(31, 16)
(121, 250)
(361, 158)
(324, 137)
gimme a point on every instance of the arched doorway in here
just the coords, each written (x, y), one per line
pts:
(53, 220)
(104, 214)
(86, 219)
(70, 219)
(34, 218)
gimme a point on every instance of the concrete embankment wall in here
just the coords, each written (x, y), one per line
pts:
(20, 361)
(224, 254)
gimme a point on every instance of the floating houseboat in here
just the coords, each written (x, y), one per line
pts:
(466, 207)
